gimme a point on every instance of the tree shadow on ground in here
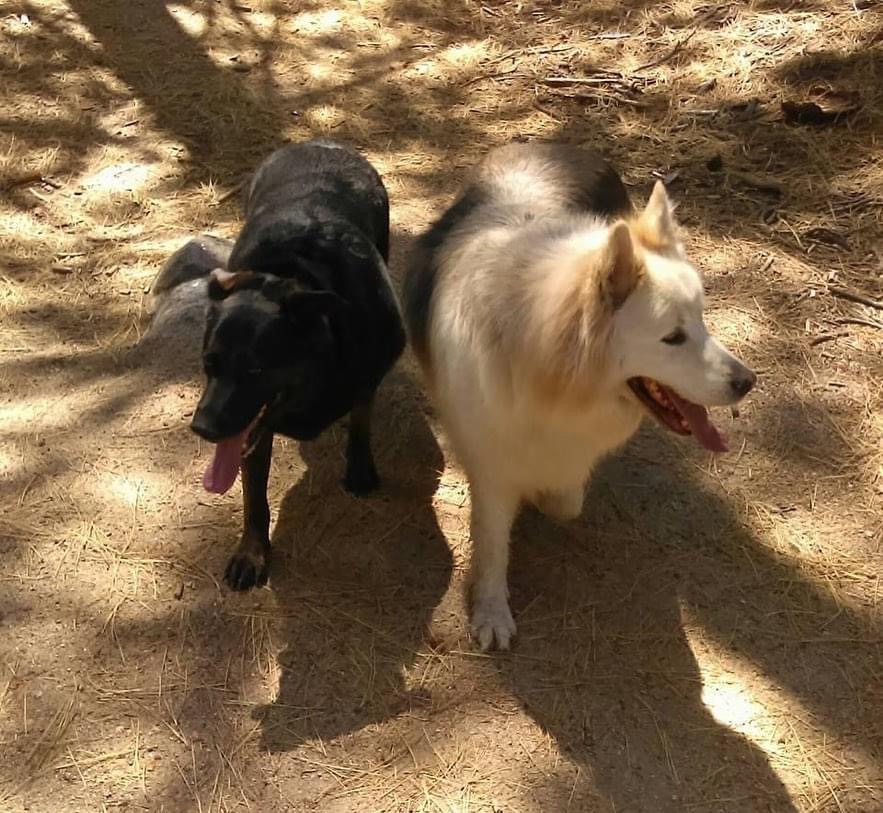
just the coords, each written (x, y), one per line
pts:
(611, 674)
(216, 112)
(207, 107)
(356, 580)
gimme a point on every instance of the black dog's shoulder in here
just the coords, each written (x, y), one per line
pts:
(317, 218)
(318, 212)
(329, 254)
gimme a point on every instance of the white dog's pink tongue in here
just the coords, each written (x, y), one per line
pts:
(221, 472)
(703, 429)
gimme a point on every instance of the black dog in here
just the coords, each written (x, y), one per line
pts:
(301, 327)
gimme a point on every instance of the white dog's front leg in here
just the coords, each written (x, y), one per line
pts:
(493, 511)
(563, 505)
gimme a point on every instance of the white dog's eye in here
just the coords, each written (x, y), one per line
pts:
(677, 336)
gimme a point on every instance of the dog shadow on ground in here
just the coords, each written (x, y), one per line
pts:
(611, 674)
(356, 579)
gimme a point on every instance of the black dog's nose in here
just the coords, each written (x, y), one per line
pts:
(742, 384)
(204, 427)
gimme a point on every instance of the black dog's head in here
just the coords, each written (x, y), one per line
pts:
(265, 337)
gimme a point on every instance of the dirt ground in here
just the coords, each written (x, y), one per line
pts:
(707, 637)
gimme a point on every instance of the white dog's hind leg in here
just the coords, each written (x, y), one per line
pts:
(493, 511)
(562, 505)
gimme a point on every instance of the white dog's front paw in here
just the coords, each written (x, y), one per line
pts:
(492, 623)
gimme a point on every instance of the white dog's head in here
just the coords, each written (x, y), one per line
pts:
(620, 309)
(663, 349)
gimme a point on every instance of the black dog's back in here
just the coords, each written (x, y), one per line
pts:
(317, 186)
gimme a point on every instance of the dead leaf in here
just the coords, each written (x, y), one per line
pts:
(707, 85)
(829, 108)
(762, 184)
(715, 163)
(827, 236)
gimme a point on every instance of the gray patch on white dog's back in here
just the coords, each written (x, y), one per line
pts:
(422, 271)
(547, 178)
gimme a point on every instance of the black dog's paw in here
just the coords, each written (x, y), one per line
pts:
(246, 570)
(361, 480)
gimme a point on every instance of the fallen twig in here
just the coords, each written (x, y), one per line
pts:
(854, 320)
(681, 43)
(828, 337)
(233, 190)
(671, 54)
(30, 178)
(559, 81)
(601, 96)
(508, 76)
(606, 79)
(516, 52)
(768, 185)
(604, 85)
(854, 296)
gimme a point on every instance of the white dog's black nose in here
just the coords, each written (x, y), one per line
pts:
(743, 382)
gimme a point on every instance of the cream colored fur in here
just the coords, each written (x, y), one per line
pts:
(528, 355)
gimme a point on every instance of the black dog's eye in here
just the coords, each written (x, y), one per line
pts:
(675, 337)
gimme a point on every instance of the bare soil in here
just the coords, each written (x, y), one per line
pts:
(707, 637)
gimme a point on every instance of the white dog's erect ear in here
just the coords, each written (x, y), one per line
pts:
(619, 270)
(657, 221)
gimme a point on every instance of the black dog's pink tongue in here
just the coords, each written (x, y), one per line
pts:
(221, 472)
(703, 429)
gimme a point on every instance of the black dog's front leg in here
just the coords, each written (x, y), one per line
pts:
(248, 566)
(361, 474)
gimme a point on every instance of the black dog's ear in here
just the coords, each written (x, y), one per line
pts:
(222, 283)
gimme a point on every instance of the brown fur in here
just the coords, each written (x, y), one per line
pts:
(654, 228)
(222, 282)
(573, 312)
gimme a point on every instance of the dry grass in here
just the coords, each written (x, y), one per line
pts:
(707, 638)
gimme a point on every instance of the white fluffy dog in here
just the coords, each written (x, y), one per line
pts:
(549, 318)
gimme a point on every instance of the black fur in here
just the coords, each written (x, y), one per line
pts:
(306, 327)
(596, 189)
(420, 278)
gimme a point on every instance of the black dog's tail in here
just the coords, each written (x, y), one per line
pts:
(195, 259)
